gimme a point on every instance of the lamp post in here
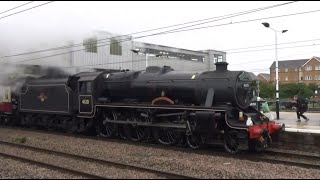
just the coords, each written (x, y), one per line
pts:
(137, 51)
(267, 25)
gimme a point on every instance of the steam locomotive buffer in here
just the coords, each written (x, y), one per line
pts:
(211, 107)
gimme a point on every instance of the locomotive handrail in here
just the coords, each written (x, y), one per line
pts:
(147, 106)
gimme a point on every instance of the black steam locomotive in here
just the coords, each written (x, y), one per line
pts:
(211, 107)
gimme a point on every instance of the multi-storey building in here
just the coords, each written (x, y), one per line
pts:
(297, 71)
(105, 50)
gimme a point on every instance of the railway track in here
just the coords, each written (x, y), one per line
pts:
(301, 159)
(107, 163)
(275, 155)
(51, 166)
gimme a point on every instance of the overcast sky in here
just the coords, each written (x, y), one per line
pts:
(48, 25)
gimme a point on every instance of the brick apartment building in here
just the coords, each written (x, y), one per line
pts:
(297, 71)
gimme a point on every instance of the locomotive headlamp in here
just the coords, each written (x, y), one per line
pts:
(249, 122)
(241, 118)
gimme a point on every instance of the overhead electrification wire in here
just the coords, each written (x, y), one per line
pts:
(238, 22)
(167, 32)
(170, 31)
(292, 42)
(16, 7)
(26, 10)
(289, 47)
(263, 60)
(221, 18)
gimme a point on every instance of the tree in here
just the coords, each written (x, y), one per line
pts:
(288, 90)
(267, 90)
(305, 91)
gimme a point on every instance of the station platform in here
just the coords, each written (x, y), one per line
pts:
(291, 124)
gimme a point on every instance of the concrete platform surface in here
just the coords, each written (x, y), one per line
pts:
(290, 121)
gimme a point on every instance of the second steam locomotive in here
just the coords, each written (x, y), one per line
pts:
(211, 107)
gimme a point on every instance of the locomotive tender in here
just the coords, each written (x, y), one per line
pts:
(211, 107)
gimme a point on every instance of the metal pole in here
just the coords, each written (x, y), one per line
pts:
(146, 60)
(258, 97)
(277, 77)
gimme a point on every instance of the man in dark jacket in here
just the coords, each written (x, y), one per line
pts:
(302, 107)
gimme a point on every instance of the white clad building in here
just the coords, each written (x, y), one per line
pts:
(106, 50)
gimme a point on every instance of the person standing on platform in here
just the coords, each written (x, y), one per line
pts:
(301, 107)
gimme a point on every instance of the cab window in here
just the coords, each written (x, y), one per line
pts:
(85, 87)
(89, 88)
(82, 87)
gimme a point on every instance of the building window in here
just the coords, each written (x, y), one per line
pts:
(217, 58)
(286, 69)
(317, 68)
(286, 78)
(301, 78)
(308, 78)
(115, 47)
(317, 77)
(276, 69)
(308, 68)
(90, 45)
(175, 55)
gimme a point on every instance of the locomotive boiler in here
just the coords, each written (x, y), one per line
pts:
(211, 88)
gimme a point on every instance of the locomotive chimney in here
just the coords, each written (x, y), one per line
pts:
(221, 66)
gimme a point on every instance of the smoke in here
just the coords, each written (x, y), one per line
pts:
(8, 75)
(16, 69)
(40, 34)
(39, 58)
(15, 75)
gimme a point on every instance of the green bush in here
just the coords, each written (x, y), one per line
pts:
(287, 91)
(273, 108)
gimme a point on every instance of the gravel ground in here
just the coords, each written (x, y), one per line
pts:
(12, 169)
(91, 167)
(203, 166)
